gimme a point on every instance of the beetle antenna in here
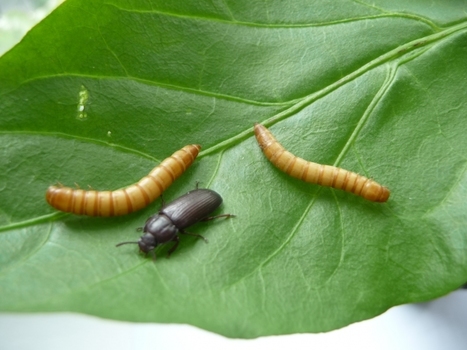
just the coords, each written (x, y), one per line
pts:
(122, 243)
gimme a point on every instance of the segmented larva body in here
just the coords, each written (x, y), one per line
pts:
(126, 200)
(324, 175)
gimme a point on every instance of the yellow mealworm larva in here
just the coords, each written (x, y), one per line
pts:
(128, 199)
(325, 175)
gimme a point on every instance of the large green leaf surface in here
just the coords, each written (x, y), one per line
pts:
(101, 91)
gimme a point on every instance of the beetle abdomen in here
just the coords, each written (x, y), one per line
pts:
(192, 207)
(128, 199)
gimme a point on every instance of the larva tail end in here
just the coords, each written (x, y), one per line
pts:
(263, 136)
(258, 127)
(191, 149)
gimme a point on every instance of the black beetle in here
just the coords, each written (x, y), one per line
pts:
(174, 217)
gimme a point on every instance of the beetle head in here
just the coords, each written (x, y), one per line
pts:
(157, 230)
(147, 242)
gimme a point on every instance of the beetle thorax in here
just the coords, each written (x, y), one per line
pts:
(161, 228)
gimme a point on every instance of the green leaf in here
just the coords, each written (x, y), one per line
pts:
(101, 91)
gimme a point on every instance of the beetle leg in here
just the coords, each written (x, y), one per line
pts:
(176, 239)
(153, 253)
(219, 216)
(163, 201)
(194, 234)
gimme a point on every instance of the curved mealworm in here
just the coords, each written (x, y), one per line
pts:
(324, 175)
(128, 199)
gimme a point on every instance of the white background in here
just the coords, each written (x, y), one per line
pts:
(437, 325)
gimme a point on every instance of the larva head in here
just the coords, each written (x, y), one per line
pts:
(373, 191)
